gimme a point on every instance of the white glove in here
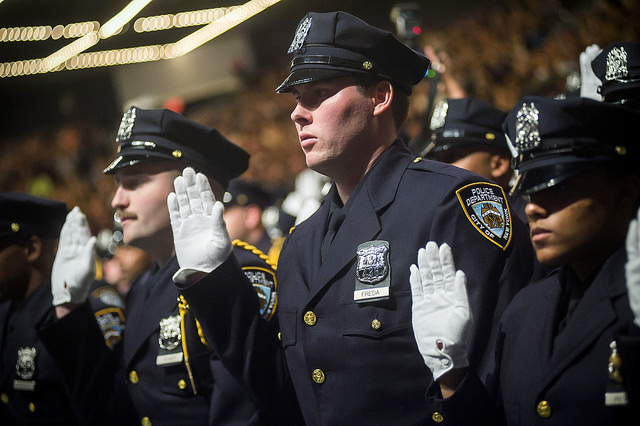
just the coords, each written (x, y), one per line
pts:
(441, 314)
(632, 267)
(589, 83)
(199, 232)
(74, 268)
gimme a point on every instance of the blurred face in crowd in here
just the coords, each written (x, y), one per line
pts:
(580, 221)
(14, 265)
(141, 202)
(333, 119)
(487, 164)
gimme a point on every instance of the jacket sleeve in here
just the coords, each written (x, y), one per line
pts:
(226, 305)
(88, 367)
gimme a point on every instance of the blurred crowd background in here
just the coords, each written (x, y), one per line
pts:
(499, 53)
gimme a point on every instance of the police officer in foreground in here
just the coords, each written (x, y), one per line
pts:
(164, 372)
(344, 305)
(31, 388)
(618, 68)
(566, 340)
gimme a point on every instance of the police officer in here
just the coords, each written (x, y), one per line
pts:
(31, 389)
(559, 353)
(618, 68)
(244, 205)
(165, 371)
(467, 133)
(344, 311)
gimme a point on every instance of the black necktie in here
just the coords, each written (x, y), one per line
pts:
(335, 220)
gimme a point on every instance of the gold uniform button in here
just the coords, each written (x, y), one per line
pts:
(279, 335)
(544, 409)
(32, 407)
(437, 417)
(133, 377)
(310, 318)
(5, 398)
(146, 421)
(417, 159)
(375, 324)
(318, 376)
(182, 384)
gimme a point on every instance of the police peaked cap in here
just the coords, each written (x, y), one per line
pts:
(147, 135)
(466, 122)
(557, 139)
(242, 193)
(618, 68)
(336, 44)
(24, 215)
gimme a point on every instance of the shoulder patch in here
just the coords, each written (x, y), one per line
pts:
(263, 279)
(264, 283)
(111, 322)
(485, 205)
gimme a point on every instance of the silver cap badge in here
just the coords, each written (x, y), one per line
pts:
(439, 115)
(527, 128)
(126, 125)
(301, 35)
(616, 64)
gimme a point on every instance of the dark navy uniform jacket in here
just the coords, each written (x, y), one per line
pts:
(545, 378)
(358, 363)
(145, 380)
(31, 386)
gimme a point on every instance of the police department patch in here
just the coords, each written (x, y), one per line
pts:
(486, 207)
(111, 322)
(264, 283)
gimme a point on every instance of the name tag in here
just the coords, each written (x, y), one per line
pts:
(374, 293)
(612, 399)
(169, 359)
(24, 385)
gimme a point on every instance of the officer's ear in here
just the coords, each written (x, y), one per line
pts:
(383, 96)
(500, 166)
(33, 248)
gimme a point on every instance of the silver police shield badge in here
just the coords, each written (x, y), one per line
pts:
(439, 115)
(527, 128)
(373, 271)
(26, 363)
(126, 125)
(616, 64)
(301, 35)
(170, 335)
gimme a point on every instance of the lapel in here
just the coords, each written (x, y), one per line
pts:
(362, 222)
(592, 316)
(546, 312)
(143, 318)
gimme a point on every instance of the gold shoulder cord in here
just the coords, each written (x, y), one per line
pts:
(184, 307)
(256, 251)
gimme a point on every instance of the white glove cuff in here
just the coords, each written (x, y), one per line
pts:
(183, 274)
(60, 298)
(452, 356)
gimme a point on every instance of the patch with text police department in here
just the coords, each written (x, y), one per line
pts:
(264, 283)
(486, 207)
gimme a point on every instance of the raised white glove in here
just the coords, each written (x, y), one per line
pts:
(589, 83)
(74, 268)
(632, 267)
(199, 233)
(441, 314)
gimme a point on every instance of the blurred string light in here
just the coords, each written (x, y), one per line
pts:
(219, 20)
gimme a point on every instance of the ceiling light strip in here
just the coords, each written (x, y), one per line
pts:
(141, 53)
